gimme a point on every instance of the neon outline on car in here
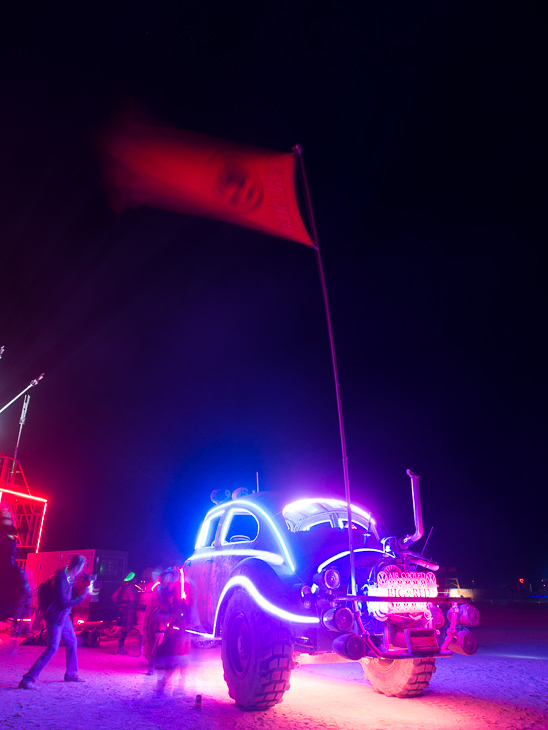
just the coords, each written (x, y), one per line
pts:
(220, 510)
(272, 524)
(200, 540)
(344, 554)
(246, 583)
(393, 618)
(227, 520)
(335, 503)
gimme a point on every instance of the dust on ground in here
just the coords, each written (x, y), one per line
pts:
(505, 685)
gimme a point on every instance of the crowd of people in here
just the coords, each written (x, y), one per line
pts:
(155, 606)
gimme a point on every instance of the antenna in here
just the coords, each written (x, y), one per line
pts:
(21, 424)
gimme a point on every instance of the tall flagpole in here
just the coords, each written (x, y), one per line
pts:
(298, 151)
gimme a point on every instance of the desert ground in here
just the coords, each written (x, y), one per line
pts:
(505, 685)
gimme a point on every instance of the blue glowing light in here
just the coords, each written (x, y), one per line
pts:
(216, 511)
(277, 533)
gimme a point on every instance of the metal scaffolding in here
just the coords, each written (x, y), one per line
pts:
(29, 511)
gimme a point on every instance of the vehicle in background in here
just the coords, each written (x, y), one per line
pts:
(108, 568)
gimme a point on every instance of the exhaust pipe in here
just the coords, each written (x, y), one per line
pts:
(417, 512)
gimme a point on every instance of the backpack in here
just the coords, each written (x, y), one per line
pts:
(45, 594)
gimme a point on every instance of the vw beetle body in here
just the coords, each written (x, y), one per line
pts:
(271, 580)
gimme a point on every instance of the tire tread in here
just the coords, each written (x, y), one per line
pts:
(275, 662)
(418, 677)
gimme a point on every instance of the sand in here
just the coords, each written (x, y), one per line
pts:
(505, 685)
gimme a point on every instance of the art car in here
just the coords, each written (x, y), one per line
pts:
(281, 583)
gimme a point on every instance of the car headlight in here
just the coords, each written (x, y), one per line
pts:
(329, 579)
(338, 619)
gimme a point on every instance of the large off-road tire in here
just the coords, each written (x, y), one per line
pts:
(257, 654)
(399, 677)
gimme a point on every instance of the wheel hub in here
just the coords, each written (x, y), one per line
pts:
(240, 645)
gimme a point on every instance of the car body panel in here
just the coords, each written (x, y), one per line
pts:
(273, 563)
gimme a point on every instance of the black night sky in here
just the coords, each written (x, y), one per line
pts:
(184, 355)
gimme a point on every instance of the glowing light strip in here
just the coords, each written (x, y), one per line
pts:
(182, 579)
(200, 633)
(336, 503)
(220, 509)
(206, 523)
(26, 496)
(344, 554)
(272, 524)
(41, 527)
(226, 522)
(243, 582)
(155, 585)
(272, 558)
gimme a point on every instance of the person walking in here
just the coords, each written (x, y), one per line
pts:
(15, 591)
(59, 624)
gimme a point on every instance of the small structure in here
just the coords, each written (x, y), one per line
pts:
(29, 511)
(107, 567)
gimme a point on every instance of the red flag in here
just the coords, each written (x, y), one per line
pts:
(205, 176)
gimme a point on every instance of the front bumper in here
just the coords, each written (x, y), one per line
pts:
(411, 642)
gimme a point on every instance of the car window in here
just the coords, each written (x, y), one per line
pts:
(211, 530)
(319, 525)
(242, 527)
(208, 529)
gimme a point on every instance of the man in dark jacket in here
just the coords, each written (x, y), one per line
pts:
(59, 623)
